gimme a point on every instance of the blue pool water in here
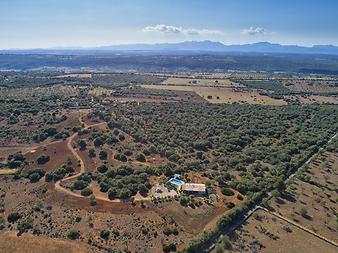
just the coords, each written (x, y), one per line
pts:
(176, 181)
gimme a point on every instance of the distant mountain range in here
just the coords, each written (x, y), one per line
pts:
(260, 47)
(191, 47)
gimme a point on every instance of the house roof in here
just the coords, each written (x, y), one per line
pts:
(194, 187)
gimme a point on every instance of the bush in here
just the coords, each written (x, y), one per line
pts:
(92, 200)
(13, 217)
(102, 168)
(82, 144)
(167, 231)
(79, 185)
(226, 243)
(24, 227)
(227, 192)
(86, 192)
(304, 213)
(103, 155)
(73, 235)
(140, 157)
(112, 193)
(142, 189)
(169, 247)
(49, 177)
(125, 193)
(43, 159)
(219, 248)
(104, 234)
(121, 157)
(34, 177)
(91, 153)
(14, 164)
(99, 141)
(230, 205)
(184, 201)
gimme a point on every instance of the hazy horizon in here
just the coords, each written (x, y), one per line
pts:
(159, 43)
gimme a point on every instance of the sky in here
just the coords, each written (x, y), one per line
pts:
(90, 23)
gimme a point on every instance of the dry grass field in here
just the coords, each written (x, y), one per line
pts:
(78, 75)
(99, 91)
(316, 99)
(264, 233)
(11, 243)
(58, 153)
(7, 171)
(62, 90)
(200, 82)
(310, 86)
(223, 95)
(313, 200)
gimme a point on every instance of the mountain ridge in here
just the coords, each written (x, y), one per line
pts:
(195, 46)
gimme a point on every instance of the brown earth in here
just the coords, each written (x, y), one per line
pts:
(58, 153)
(11, 243)
(255, 235)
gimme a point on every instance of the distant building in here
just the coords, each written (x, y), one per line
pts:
(194, 189)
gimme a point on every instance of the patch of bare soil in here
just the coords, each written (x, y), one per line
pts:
(58, 154)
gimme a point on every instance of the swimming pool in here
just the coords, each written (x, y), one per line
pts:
(176, 181)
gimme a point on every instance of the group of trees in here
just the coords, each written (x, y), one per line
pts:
(216, 139)
(124, 182)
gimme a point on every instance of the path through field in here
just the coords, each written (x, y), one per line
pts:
(247, 215)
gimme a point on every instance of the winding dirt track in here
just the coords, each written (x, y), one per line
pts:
(58, 186)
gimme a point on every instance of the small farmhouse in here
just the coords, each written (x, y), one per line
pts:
(195, 189)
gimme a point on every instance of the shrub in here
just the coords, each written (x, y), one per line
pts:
(184, 201)
(91, 153)
(102, 168)
(92, 200)
(34, 177)
(230, 205)
(49, 177)
(219, 248)
(169, 247)
(112, 193)
(304, 213)
(103, 155)
(14, 164)
(121, 157)
(226, 243)
(73, 235)
(79, 185)
(82, 144)
(86, 192)
(141, 157)
(227, 192)
(13, 217)
(24, 227)
(125, 193)
(42, 159)
(104, 234)
(99, 141)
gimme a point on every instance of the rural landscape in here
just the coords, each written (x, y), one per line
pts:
(167, 126)
(156, 162)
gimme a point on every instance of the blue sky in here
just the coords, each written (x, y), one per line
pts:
(68, 23)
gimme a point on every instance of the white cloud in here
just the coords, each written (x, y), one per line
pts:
(169, 29)
(256, 31)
